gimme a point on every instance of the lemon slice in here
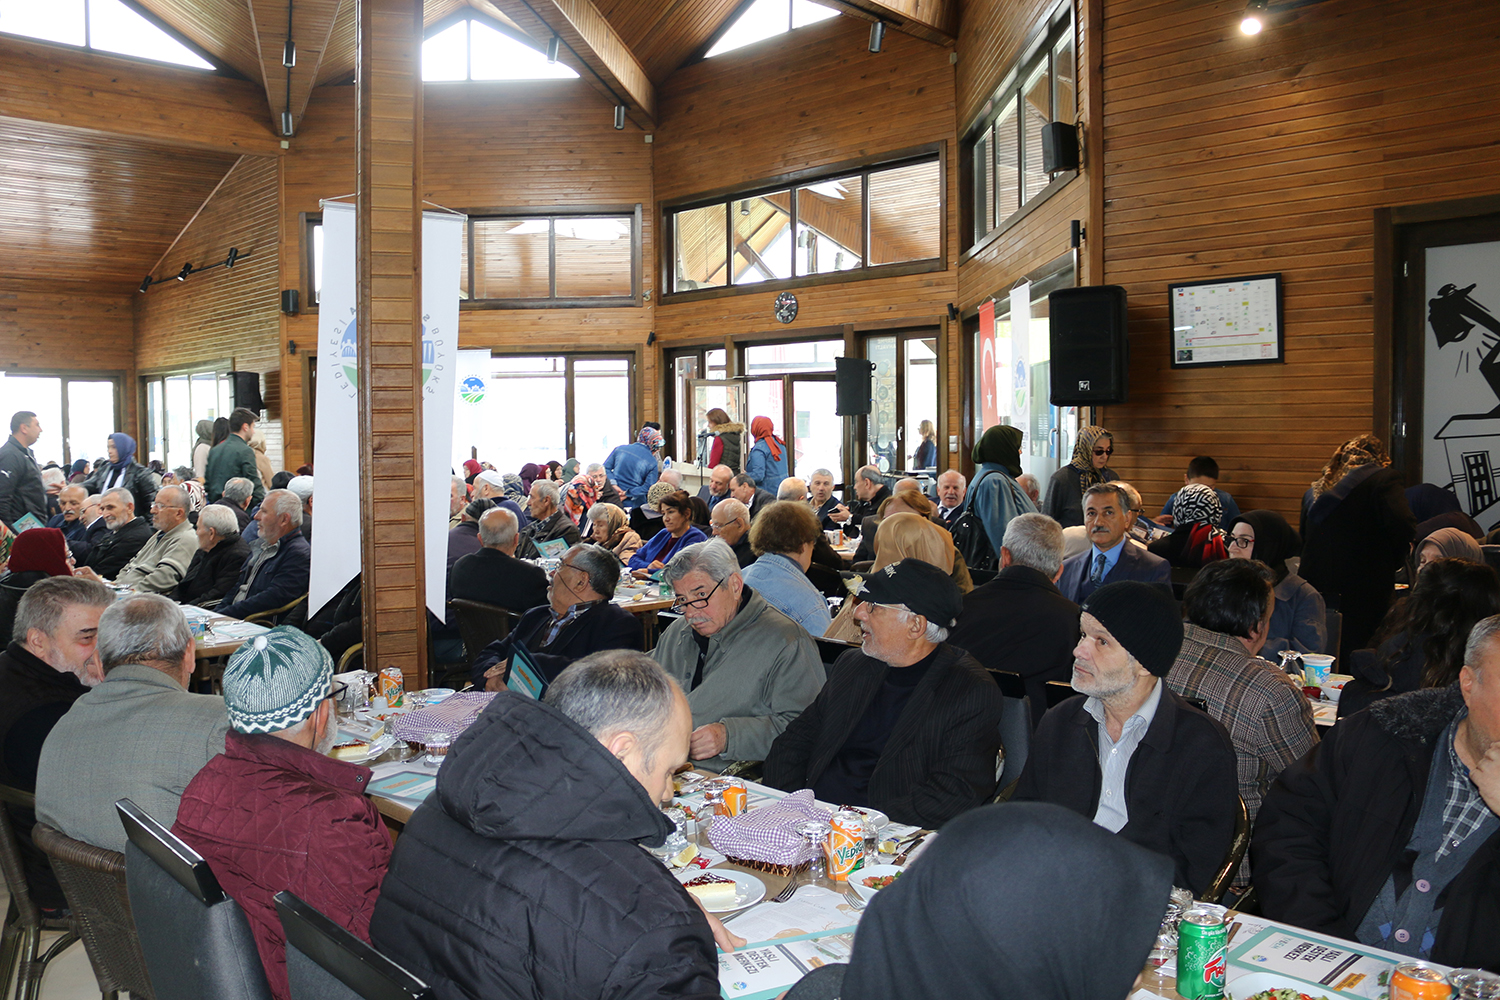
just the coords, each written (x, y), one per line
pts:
(687, 854)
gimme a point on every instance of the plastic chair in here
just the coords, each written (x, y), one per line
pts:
(93, 880)
(1015, 737)
(1231, 866)
(1335, 625)
(1058, 692)
(325, 962)
(1012, 685)
(196, 939)
(481, 624)
(23, 962)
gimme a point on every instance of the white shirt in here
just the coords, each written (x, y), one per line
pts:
(1114, 757)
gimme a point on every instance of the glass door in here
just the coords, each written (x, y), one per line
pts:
(705, 395)
(817, 437)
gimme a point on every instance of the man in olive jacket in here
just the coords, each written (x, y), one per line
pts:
(233, 457)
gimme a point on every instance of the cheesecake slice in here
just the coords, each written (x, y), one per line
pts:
(713, 890)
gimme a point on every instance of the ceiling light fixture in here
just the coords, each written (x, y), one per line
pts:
(1255, 17)
(288, 59)
(877, 36)
(553, 44)
(188, 270)
(619, 116)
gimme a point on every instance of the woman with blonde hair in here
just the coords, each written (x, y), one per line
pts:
(925, 457)
(609, 526)
(904, 535)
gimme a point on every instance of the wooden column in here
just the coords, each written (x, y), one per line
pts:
(389, 325)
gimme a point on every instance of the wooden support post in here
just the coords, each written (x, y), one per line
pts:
(389, 325)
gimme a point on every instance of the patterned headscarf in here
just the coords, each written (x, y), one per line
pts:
(197, 499)
(656, 492)
(1083, 455)
(514, 487)
(651, 438)
(1196, 504)
(1367, 449)
(578, 496)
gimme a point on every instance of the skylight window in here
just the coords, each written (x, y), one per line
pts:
(472, 50)
(103, 25)
(768, 18)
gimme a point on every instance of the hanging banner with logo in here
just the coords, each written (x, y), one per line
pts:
(987, 365)
(442, 233)
(475, 415)
(1020, 361)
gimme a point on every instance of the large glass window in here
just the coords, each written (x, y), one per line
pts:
(77, 413)
(685, 417)
(175, 402)
(554, 407)
(476, 48)
(766, 19)
(105, 25)
(904, 401)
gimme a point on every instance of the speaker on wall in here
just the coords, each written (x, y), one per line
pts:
(853, 375)
(1090, 349)
(247, 390)
(1059, 146)
(289, 297)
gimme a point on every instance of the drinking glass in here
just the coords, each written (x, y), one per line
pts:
(816, 831)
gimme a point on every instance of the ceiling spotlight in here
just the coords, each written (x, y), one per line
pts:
(234, 255)
(182, 275)
(289, 54)
(745, 207)
(286, 123)
(877, 35)
(553, 44)
(1254, 19)
(145, 284)
(619, 116)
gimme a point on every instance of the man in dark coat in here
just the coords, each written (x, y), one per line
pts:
(744, 489)
(493, 575)
(277, 572)
(21, 489)
(522, 875)
(906, 724)
(1128, 752)
(548, 520)
(870, 488)
(1387, 831)
(217, 563)
(233, 457)
(1019, 621)
(127, 534)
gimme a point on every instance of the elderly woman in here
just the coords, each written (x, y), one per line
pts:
(783, 537)
(35, 555)
(1196, 537)
(677, 532)
(578, 496)
(610, 528)
(1299, 621)
(1090, 465)
(215, 569)
(902, 535)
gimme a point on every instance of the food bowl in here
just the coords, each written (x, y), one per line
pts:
(1333, 686)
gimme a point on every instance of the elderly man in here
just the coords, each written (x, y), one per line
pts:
(21, 490)
(233, 456)
(463, 537)
(142, 735)
(717, 488)
(111, 551)
(493, 575)
(608, 492)
(743, 489)
(952, 487)
(906, 724)
(53, 480)
(1228, 610)
(1126, 723)
(458, 495)
(1019, 621)
(566, 904)
(870, 488)
(273, 812)
(236, 496)
(276, 573)
(1030, 487)
(671, 477)
(303, 487)
(748, 669)
(577, 617)
(69, 519)
(490, 485)
(158, 566)
(548, 521)
(1111, 556)
(730, 521)
(1388, 831)
(832, 514)
(217, 563)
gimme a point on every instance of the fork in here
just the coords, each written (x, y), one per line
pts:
(853, 899)
(785, 894)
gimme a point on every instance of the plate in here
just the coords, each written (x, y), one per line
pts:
(1259, 982)
(749, 890)
(871, 871)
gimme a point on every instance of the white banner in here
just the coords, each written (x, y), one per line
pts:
(1020, 362)
(476, 414)
(442, 233)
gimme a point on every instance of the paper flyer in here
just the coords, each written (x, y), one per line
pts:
(1331, 965)
(763, 971)
(410, 785)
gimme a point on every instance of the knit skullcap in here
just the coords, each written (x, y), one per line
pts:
(1142, 618)
(276, 680)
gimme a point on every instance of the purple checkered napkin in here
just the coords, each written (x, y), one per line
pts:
(452, 715)
(769, 833)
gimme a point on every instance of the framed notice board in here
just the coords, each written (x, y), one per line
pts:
(1234, 322)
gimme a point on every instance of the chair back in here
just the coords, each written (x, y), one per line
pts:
(480, 624)
(292, 613)
(1335, 622)
(1231, 866)
(24, 909)
(1012, 685)
(24, 963)
(325, 962)
(93, 880)
(1015, 737)
(982, 576)
(196, 939)
(1182, 576)
(1058, 692)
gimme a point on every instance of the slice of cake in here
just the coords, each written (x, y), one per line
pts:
(715, 891)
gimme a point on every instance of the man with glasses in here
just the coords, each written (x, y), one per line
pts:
(748, 669)
(907, 723)
(157, 567)
(1111, 556)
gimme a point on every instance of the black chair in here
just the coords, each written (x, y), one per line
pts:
(1011, 683)
(1015, 737)
(1335, 626)
(982, 576)
(1058, 692)
(1182, 576)
(196, 939)
(325, 962)
(1231, 866)
(481, 624)
(830, 650)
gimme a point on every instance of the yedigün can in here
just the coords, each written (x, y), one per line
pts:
(1419, 981)
(1202, 954)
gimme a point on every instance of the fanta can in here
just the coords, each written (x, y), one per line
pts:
(846, 844)
(732, 798)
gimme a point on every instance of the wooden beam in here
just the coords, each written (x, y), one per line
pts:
(590, 46)
(934, 21)
(312, 24)
(185, 108)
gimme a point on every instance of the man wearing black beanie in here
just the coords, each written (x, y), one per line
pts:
(1129, 753)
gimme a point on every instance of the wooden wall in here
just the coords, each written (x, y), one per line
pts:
(1228, 155)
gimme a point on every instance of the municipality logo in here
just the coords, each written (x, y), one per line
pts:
(471, 389)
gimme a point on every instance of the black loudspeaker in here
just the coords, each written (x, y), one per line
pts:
(1059, 146)
(247, 390)
(1090, 349)
(289, 298)
(853, 376)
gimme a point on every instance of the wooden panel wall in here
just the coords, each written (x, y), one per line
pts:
(1228, 155)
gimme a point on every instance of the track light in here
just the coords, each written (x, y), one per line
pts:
(286, 123)
(745, 207)
(553, 44)
(619, 116)
(1255, 17)
(145, 284)
(188, 270)
(877, 35)
(289, 54)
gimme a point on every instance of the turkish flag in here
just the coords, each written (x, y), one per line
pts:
(987, 391)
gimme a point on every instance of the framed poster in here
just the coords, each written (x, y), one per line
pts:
(1234, 322)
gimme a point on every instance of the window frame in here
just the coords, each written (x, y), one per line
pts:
(667, 246)
(904, 335)
(571, 355)
(473, 14)
(66, 375)
(220, 367)
(218, 67)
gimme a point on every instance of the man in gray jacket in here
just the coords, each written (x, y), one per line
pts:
(748, 669)
(160, 564)
(138, 735)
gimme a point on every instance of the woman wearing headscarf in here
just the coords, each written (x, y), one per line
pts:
(635, 466)
(1090, 465)
(554, 473)
(472, 468)
(1299, 621)
(578, 496)
(995, 495)
(515, 489)
(1356, 532)
(609, 527)
(79, 472)
(1021, 899)
(645, 520)
(124, 471)
(530, 473)
(1196, 537)
(202, 447)
(35, 555)
(570, 468)
(1437, 543)
(729, 437)
(766, 463)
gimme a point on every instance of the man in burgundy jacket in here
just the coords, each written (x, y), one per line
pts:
(273, 812)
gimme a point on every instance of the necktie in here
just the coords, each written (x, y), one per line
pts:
(1098, 575)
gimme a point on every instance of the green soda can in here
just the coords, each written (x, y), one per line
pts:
(1202, 953)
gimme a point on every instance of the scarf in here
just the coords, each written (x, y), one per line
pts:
(650, 437)
(1363, 451)
(471, 469)
(530, 473)
(578, 496)
(760, 429)
(1196, 504)
(1453, 543)
(40, 550)
(205, 429)
(125, 448)
(514, 487)
(1000, 445)
(1083, 456)
(1275, 540)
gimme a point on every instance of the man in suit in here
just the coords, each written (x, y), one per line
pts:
(1019, 621)
(493, 575)
(276, 573)
(952, 488)
(719, 479)
(576, 617)
(1111, 556)
(907, 724)
(755, 499)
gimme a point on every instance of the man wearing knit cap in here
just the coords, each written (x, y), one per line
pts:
(907, 723)
(1128, 752)
(273, 812)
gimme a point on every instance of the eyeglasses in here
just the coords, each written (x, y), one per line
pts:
(1240, 541)
(872, 605)
(1104, 451)
(680, 603)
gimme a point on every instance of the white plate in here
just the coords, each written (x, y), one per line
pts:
(871, 871)
(1259, 982)
(749, 890)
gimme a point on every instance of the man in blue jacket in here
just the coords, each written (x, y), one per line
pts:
(634, 467)
(1112, 556)
(276, 573)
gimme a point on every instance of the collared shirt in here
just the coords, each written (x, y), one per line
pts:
(262, 556)
(559, 620)
(1114, 757)
(1463, 807)
(1111, 556)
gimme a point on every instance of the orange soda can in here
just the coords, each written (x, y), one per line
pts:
(846, 844)
(392, 686)
(1419, 981)
(732, 800)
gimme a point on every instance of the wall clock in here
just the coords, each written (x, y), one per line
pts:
(785, 307)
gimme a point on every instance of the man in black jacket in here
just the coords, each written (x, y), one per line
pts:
(21, 490)
(1020, 621)
(906, 724)
(870, 488)
(549, 523)
(217, 563)
(494, 575)
(522, 876)
(744, 489)
(1387, 831)
(127, 534)
(1128, 752)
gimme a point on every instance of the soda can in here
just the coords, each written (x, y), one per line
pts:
(392, 686)
(1202, 954)
(846, 844)
(732, 798)
(1419, 981)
